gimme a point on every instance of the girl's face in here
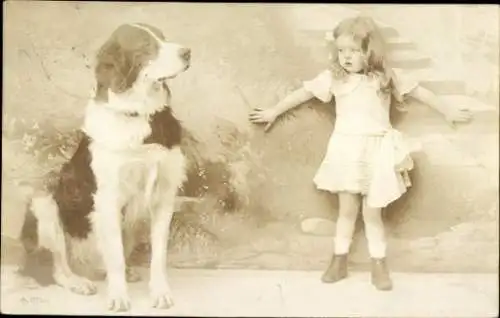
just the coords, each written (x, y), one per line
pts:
(351, 56)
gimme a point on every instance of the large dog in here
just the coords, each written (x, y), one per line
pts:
(127, 169)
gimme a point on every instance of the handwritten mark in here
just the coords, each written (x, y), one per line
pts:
(32, 300)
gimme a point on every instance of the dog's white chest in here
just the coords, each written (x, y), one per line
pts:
(142, 170)
(114, 130)
(138, 175)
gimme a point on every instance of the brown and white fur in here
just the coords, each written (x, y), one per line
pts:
(127, 169)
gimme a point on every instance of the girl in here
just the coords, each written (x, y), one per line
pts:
(366, 162)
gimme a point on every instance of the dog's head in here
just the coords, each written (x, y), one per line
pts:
(137, 55)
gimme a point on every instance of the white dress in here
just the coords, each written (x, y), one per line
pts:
(365, 154)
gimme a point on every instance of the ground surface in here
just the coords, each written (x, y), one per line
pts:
(253, 293)
(252, 59)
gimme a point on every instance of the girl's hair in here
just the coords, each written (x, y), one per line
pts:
(366, 31)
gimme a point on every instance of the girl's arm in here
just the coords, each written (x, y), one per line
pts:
(450, 113)
(292, 100)
(270, 115)
(320, 87)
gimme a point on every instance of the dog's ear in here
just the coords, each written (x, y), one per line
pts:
(105, 69)
(120, 60)
(116, 69)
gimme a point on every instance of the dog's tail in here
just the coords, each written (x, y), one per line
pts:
(37, 235)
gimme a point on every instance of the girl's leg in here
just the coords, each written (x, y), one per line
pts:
(375, 235)
(374, 230)
(349, 205)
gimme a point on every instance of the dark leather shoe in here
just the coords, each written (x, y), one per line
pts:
(337, 269)
(380, 274)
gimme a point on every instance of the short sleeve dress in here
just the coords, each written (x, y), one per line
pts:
(365, 154)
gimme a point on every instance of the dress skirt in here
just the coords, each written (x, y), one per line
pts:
(372, 165)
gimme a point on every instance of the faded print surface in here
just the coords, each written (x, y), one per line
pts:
(256, 188)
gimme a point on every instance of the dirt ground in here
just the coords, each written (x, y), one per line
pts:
(243, 56)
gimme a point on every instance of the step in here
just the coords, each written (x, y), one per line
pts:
(402, 55)
(444, 87)
(438, 81)
(398, 43)
(485, 117)
(410, 57)
(411, 64)
(388, 32)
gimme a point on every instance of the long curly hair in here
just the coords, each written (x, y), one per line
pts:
(365, 31)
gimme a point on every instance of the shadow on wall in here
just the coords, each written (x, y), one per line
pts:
(243, 57)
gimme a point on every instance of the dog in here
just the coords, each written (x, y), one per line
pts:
(127, 169)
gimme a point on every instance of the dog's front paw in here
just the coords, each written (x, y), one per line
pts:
(118, 301)
(161, 295)
(76, 284)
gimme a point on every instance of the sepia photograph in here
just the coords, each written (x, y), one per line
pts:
(251, 159)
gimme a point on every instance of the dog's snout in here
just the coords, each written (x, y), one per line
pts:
(185, 53)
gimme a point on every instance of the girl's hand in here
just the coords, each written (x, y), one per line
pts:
(460, 115)
(451, 113)
(268, 116)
